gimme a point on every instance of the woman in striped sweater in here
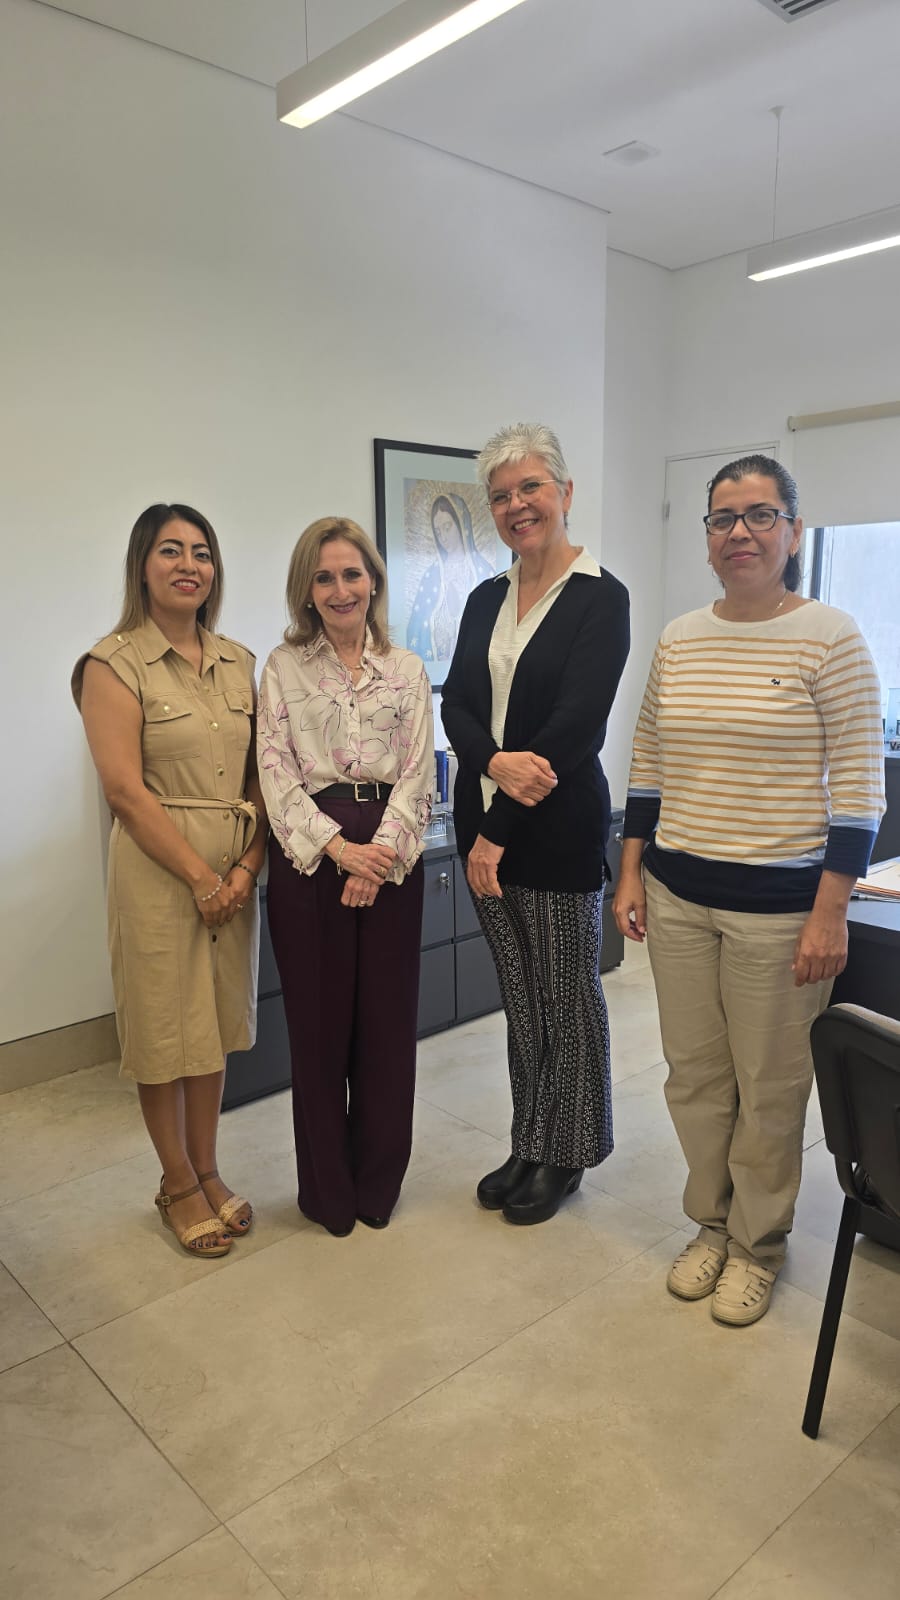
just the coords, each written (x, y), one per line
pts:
(755, 793)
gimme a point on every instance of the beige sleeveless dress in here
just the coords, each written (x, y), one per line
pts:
(185, 994)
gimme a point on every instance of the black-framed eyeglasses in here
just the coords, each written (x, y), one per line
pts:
(756, 519)
(525, 491)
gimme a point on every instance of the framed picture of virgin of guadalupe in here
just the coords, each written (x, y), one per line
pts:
(435, 531)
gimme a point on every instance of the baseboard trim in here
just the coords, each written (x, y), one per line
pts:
(42, 1056)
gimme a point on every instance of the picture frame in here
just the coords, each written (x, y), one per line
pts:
(435, 532)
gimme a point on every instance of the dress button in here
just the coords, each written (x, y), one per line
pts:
(214, 724)
(120, 637)
(166, 708)
(224, 858)
(220, 772)
(214, 937)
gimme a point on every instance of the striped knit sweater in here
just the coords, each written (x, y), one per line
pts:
(758, 758)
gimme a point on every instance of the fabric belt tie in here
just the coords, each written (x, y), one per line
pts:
(188, 802)
(355, 791)
(240, 808)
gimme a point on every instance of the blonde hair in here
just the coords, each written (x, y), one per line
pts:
(150, 523)
(306, 624)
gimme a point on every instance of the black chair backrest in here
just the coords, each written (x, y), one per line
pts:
(857, 1061)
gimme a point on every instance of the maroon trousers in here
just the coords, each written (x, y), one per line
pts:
(350, 981)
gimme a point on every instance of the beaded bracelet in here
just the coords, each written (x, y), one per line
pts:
(200, 898)
(244, 868)
(337, 859)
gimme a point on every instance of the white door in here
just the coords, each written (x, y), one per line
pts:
(689, 581)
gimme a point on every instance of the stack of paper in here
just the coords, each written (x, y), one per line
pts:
(882, 881)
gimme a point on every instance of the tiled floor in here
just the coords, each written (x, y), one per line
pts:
(452, 1408)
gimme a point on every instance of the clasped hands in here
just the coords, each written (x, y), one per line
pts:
(366, 866)
(522, 775)
(526, 778)
(232, 896)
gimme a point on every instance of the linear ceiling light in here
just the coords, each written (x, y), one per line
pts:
(389, 45)
(842, 241)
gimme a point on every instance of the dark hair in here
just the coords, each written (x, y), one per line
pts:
(765, 467)
(143, 537)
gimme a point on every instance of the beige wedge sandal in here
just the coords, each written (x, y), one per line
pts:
(188, 1237)
(229, 1208)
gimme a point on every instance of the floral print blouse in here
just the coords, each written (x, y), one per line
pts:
(316, 727)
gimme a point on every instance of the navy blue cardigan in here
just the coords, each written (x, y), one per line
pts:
(560, 698)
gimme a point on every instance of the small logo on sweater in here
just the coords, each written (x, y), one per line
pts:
(776, 681)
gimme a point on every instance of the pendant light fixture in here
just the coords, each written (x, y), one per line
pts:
(880, 230)
(862, 236)
(391, 44)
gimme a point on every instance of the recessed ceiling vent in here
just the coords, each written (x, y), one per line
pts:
(632, 153)
(793, 10)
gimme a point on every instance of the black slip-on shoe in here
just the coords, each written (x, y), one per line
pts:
(542, 1192)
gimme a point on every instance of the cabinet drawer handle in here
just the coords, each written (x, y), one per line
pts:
(444, 881)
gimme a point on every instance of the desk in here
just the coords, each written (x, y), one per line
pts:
(871, 978)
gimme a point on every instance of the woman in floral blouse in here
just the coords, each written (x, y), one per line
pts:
(346, 758)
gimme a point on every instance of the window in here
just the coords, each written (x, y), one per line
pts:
(857, 568)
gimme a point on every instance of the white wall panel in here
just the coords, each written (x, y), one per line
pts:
(849, 473)
(213, 308)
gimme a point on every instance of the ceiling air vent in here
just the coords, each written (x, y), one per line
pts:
(793, 10)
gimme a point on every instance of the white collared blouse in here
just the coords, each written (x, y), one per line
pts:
(316, 727)
(509, 638)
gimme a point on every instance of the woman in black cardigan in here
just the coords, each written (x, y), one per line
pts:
(538, 660)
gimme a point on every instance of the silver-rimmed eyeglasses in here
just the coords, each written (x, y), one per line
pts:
(501, 498)
(756, 519)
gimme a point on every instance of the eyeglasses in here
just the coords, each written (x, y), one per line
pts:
(525, 491)
(757, 519)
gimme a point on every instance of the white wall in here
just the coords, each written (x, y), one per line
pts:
(703, 360)
(636, 419)
(746, 356)
(213, 308)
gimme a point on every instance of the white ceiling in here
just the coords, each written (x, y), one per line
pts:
(544, 90)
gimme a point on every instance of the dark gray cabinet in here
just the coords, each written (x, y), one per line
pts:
(437, 986)
(457, 978)
(437, 904)
(452, 988)
(250, 1074)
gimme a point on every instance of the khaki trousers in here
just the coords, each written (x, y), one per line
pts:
(735, 1034)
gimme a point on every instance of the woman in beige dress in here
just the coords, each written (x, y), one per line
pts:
(168, 708)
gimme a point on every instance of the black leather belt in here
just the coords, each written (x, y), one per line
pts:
(355, 791)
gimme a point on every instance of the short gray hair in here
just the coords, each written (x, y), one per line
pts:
(514, 443)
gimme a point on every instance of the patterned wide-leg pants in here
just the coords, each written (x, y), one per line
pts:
(546, 948)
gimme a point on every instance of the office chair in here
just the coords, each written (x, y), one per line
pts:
(857, 1060)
